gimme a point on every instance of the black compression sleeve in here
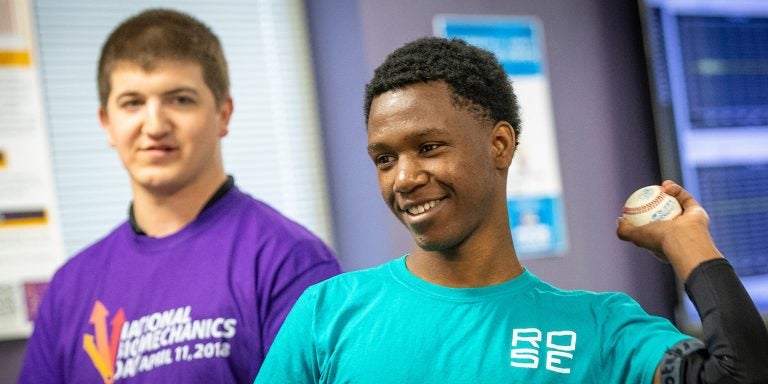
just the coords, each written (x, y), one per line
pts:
(734, 333)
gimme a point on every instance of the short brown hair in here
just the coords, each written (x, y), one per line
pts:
(157, 35)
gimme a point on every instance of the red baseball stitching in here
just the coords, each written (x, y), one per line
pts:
(645, 207)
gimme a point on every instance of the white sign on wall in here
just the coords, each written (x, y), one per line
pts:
(534, 186)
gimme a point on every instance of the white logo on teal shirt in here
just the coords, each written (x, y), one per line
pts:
(557, 353)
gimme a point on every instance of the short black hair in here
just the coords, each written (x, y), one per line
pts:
(475, 76)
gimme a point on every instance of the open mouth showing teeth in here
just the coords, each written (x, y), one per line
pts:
(421, 208)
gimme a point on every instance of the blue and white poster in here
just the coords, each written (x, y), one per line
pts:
(534, 186)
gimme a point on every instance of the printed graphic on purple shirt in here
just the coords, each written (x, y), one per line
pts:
(121, 348)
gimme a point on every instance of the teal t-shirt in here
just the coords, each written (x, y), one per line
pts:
(385, 325)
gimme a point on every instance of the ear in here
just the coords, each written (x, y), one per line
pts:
(225, 113)
(504, 144)
(104, 120)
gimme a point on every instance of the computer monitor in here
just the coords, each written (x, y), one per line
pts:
(708, 67)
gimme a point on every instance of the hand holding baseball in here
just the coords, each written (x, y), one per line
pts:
(684, 241)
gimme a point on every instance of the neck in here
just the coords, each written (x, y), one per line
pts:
(470, 267)
(164, 213)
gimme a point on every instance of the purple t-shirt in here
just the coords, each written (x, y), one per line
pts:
(200, 306)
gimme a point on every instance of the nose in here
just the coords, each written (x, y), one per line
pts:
(156, 123)
(410, 176)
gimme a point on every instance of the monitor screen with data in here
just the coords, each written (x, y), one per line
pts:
(708, 66)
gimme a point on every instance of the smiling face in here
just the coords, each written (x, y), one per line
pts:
(441, 168)
(166, 126)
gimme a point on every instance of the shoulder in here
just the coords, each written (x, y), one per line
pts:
(614, 315)
(545, 289)
(611, 313)
(597, 305)
(95, 255)
(364, 283)
(80, 276)
(280, 246)
(250, 212)
(257, 227)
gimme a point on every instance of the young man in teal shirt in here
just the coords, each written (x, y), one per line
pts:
(443, 126)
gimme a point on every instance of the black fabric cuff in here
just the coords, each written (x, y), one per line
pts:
(732, 329)
(673, 362)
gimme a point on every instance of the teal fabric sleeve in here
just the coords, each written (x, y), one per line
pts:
(633, 342)
(292, 357)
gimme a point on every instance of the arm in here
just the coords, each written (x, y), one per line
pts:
(736, 339)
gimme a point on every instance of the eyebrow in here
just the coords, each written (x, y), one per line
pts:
(180, 90)
(166, 93)
(374, 147)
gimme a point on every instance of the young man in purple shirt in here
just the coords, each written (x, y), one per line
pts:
(194, 286)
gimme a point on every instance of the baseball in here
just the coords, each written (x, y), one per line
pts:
(650, 204)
